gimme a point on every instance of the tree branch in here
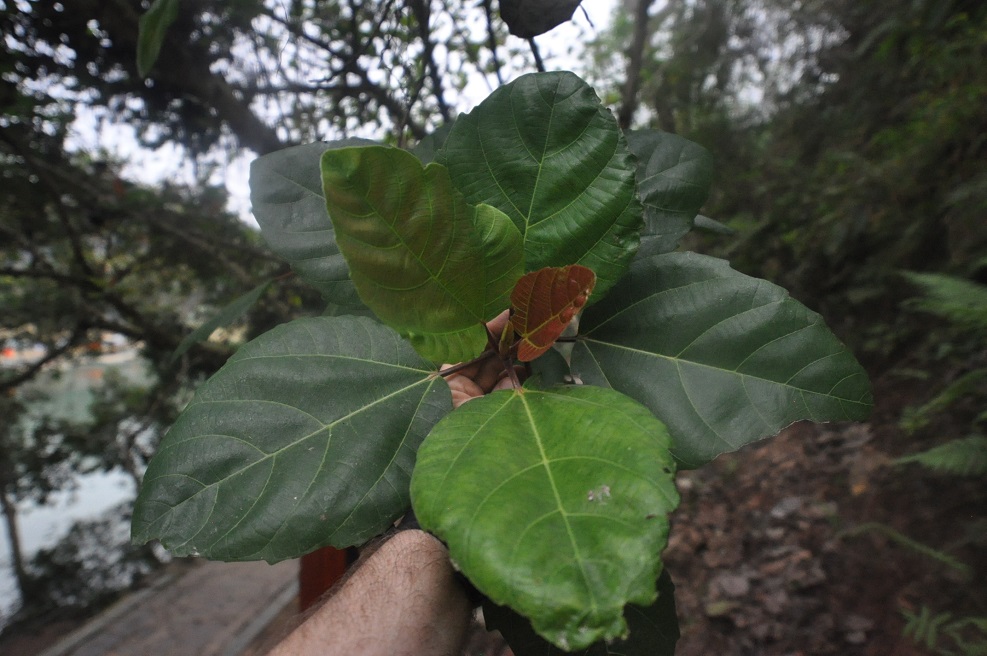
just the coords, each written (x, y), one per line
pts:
(492, 40)
(422, 14)
(635, 58)
(32, 370)
(539, 64)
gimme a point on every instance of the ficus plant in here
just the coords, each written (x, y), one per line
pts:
(628, 360)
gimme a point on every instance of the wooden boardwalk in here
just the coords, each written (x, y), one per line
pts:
(211, 609)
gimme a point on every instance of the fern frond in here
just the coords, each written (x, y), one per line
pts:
(962, 457)
(962, 301)
(905, 541)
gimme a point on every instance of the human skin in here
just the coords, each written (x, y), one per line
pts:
(401, 600)
(402, 597)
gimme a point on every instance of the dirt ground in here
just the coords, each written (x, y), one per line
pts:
(770, 553)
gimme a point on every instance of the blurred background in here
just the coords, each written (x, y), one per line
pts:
(850, 141)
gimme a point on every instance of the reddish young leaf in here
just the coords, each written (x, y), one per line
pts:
(544, 302)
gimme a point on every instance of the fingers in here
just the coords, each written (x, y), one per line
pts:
(496, 325)
(485, 376)
(463, 389)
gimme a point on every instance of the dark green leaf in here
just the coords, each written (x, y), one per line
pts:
(554, 502)
(427, 148)
(544, 150)
(712, 225)
(290, 206)
(529, 18)
(673, 177)
(428, 264)
(226, 316)
(151, 30)
(305, 438)
(721, 358)
(653, 630)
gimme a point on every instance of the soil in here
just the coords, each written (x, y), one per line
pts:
(782, 548)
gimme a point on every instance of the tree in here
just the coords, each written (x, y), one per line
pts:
(849, 132)
(84, 252)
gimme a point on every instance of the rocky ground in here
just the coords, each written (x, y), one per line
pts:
(783, 548)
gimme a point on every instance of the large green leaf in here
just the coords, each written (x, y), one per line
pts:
(305, 438)
(721, 358)
(288, 203)
(653, 630)
(428, 264)
(545, 151)
(554, 502)
(673, 178)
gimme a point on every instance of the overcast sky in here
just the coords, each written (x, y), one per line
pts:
(167, 163)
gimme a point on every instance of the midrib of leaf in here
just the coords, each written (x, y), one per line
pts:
(278, 452)
(382, 473)
(541, 160)
(503, 192)
(433, 276)
(679, 361)
(349, 358)
(299, 185)
(558, 501)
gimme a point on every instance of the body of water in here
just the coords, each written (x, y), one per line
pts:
(68, 393)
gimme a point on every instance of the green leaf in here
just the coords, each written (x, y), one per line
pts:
(305, 438)
(962, 301)
(702, 222)
(721, 358)
(529, 18)
(653, 630)
(544, 150)
(960, 457)
(426, 149)
(554, 502)
(226, 316)
(151, 30)
(428, 264)
(673, 177)
(290, 207)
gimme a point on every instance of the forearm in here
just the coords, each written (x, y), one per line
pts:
(403, 599)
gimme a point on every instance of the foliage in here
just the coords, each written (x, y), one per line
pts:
(554, 499)
(962, 302)
(907, 542)
(960, 457)
(946, 635)
(852, 150)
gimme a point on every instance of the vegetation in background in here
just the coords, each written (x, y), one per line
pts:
(852, 152)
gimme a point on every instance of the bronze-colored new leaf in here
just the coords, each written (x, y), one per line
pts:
(544, 303)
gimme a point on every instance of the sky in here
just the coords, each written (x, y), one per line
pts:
(167, 163)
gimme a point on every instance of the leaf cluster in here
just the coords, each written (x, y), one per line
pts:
(554, 498)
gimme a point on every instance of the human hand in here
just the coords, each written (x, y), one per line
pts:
(484, 376)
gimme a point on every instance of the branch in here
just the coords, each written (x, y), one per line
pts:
(422, 16)
(492, 40)
(32, 370)
(539, 64)
(635, 60)
(191, 76)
